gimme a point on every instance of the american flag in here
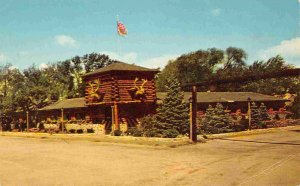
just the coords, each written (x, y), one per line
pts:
(122, 31)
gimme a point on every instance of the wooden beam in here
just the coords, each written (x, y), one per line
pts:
(119, 102)
(62, 120)
(27, 120)
(193, 117)
(249, 114)
(282, 73)
(112, 119)
(116, 116)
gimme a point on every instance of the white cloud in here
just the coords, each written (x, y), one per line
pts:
(43, 66)
(129, 57)
(13, 67)
(3, 58)
(288, 49)
(65, 40)
(216, 12)
(158, 62)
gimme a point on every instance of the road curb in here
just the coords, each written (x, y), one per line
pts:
(247, 133)
(162, 142)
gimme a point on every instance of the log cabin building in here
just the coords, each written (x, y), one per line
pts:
(117, 93)
(121, 93)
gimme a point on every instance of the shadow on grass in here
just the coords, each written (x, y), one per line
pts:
(295, 131)
(265, 142)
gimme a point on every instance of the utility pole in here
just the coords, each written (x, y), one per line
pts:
(193, 116)
(249, 113)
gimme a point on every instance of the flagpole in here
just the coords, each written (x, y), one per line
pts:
(118, 38)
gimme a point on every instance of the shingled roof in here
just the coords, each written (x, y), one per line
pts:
(66, 104)
(221, 97)
(120, 66)
(202, 97)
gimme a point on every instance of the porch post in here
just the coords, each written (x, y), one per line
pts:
(112, 119)
(249, 113)
(116, 118)
(27, 121)
(62, 120)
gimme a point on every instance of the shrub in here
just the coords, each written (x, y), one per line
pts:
(134, 132)
(153, 132)
(216, 120)
(170, 133)
(116, 133)
(148, 122)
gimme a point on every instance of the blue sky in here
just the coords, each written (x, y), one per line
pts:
(42, 31)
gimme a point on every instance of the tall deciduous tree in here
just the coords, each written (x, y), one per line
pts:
(192, 67)
(95, 61)
(235, 57)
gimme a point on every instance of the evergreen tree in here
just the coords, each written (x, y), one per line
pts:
(263, 112)
(296, 106)
(216, 120)
(219, 117)
(255, 116)
(173, 113)
(209, 117)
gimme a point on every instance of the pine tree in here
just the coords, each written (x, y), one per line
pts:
(216, 120)
(173, 113)
(220, 120)
(263, 112)
(296, 106)
(209, 116)
(255, 116)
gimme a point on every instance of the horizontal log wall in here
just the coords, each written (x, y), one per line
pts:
(117, 86)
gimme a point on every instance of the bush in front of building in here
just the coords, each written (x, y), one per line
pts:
(133, 131)
(216, 120)
(148, 122)
(152, 132)
(116, 133)
(150, 126)
(170, 133)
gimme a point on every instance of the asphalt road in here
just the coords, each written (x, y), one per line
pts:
(265, 159)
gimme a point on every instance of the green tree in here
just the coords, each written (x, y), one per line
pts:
(173, 113)
(295, 108)
(216, 120)
(263, 112)
(204, 65)
(34, 93)
(209, 116)
(235, 57)
(273, 85)
(255, 116)
(10, 80)
(162, 77)
(95, 61)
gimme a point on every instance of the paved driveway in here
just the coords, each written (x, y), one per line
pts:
(265, 159)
